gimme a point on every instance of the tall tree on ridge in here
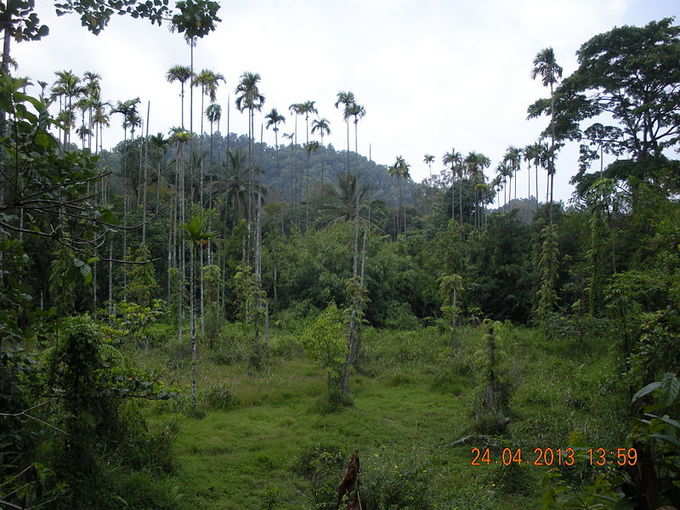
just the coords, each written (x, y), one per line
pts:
(358, 112)
(545, 66)
(321, 126)
(428, 160)
(475, 163)
(400, 170)
(307, 108)
(346, 99)
(454, 160)
(513, 155)
(274, 118)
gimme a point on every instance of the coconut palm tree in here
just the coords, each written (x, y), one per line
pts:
(233, 185)
(545, 66)
(182, 74)
(454, 160)
(341, 200)
(346, 99)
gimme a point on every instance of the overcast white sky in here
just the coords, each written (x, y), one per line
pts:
(431, 74)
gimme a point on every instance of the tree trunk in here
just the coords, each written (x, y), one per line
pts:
(146, 164)
(182, 102)
(551, 171)
(125, 206)
(110, 276)
(7, 38)
(453, 194)
(347, 156)
(202, 107)
(528, 181)
(192, 299)
(460, 201)
(536, 183)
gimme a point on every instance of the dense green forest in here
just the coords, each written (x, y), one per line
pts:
(196, 317)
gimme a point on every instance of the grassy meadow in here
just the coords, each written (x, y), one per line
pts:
(271, 440)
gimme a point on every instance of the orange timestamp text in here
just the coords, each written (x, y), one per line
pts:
(554, 456)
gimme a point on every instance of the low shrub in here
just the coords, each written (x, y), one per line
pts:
(286, 346)
(395, 482)
(220, 397)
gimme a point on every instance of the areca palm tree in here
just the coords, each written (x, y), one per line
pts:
(197, 232)
(182, 74)
(503, 171)
(321, 126)
(476, 163)
(214, 114)
(428, 160)
(454, 160)
(358, 112)
(209, 82)
(295, 109)
(274, 118)
(347, 100)
(100, 118)
(546, 66)
(67, 88)
(400, 170)
(249, 98)
(307, 108)
(513, 156)
(530, 154)
(92, 90)
(158, 145)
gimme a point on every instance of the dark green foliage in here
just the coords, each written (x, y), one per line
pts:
(97, 426)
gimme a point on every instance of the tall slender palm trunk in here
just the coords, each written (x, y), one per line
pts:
(538, 197)
(146, 165)
(460, 200)
(453, 194)
(347, 156)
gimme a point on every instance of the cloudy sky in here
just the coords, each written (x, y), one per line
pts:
(432, 74)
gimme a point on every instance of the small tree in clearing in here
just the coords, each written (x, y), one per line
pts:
(324, 340)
